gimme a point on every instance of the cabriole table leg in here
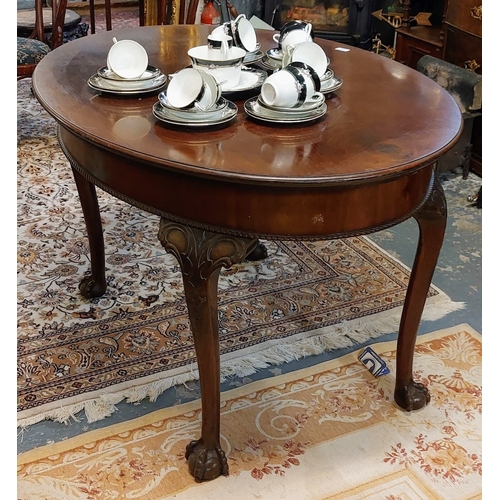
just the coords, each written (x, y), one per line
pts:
(201, 255)
(94, 285)
(431, 219)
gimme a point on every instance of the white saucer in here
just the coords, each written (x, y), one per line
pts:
(151, 72)
(253, 57)
(249, 79)
(270, 63)
(315, 102)
(331, 85)
(180, 117)
(327, 74)
(275, 54)
(254, 109)
(192, 113)
(126, 87)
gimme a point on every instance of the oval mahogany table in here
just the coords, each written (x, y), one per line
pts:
(368, 164)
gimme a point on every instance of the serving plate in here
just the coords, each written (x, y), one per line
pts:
(249, 79)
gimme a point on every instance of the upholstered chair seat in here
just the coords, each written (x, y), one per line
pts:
(33, 48)
(30, 51)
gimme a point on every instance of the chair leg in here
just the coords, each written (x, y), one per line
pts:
(142, 13)
(92, 16)
(107, 7)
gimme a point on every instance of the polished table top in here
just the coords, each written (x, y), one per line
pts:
(386, 120)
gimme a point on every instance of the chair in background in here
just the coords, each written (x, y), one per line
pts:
(32, 49)
(108, 15)
(465, 87)
(159, 12)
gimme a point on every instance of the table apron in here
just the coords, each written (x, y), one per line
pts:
(307, 211)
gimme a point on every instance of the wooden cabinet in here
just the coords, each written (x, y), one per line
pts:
(463, 47)
(463, 31)
(466, 15)
(456, 40)
(415, 42)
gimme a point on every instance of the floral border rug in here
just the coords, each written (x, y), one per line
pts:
(134, 342)
(331, 431)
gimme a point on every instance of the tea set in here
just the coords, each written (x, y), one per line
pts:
(294, 92)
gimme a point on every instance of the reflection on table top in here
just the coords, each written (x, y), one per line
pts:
(385, 119)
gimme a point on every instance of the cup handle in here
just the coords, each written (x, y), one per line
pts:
(114, 40)
(308, 28)
(276, 37)
(224, 49)
(287, 56)
(197, 105)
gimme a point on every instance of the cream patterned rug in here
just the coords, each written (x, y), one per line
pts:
(135, 342)
(331, 431)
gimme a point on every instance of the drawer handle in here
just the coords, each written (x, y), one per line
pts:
(477, 12)
(471, 65)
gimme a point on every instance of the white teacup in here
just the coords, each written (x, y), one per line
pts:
(293, 34)
(287, 88)
(312, 54)
(219, 42)
(213, 90)
(224, 29)
(226, 71)
(244, 33)
(312, 79)
(127, 58)
(187, 88)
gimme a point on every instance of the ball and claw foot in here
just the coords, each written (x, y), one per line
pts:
(412, 397)
(258, 253)
(204, 464)
(90, 288)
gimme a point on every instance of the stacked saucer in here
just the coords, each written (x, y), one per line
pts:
(311, 109)
(107, 82)
(330, 82)
(272, 60)
(254, 56)
(221, 112)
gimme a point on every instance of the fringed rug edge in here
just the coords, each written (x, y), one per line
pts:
(239, 364)
(126, 426)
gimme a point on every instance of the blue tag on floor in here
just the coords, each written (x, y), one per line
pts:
(375, 364)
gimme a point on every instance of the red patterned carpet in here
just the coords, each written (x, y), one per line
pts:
(122, 18)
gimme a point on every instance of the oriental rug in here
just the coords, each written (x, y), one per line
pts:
(134, 342)
(331, 431)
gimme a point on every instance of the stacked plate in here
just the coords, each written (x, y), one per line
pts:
(272, 59)
(107, 82)
(329, 82)
(312, 109)
(255, 56)
(222, 112)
